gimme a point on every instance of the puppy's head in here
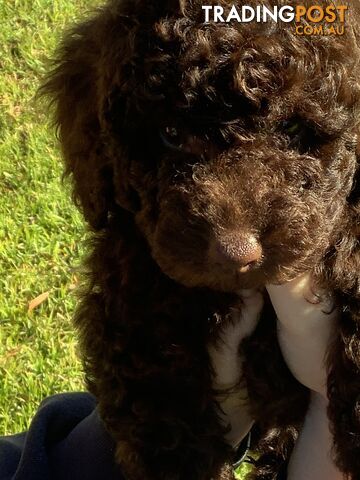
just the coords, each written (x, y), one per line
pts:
(233, 145)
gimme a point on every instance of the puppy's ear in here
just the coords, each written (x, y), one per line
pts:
(78, 89)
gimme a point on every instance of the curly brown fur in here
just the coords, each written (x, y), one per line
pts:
(224, 97)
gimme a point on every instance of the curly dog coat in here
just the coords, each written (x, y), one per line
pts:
(208, 157)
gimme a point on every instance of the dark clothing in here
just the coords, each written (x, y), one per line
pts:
(66, 441)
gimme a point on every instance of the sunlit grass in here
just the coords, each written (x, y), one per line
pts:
(40, 231)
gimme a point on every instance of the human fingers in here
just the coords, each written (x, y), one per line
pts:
(306, 324)
(299, 307)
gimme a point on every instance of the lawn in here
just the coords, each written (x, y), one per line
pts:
(41, 233)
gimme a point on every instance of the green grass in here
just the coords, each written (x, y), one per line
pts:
(41, 233)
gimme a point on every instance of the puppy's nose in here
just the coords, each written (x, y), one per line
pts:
(242, 249)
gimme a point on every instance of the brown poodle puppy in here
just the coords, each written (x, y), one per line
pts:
(208, 157)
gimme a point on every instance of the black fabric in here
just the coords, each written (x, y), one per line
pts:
(66, 441)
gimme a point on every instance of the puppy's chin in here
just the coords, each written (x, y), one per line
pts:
(197, 275)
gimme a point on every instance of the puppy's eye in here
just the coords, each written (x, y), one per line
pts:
(302, 136)
(171, 138)
(291, 127)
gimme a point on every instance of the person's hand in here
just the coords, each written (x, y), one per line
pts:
(306, 323)
(227, 365)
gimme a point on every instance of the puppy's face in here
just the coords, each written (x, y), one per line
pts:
(241, 142)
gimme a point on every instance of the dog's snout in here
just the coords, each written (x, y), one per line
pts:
(241, 250)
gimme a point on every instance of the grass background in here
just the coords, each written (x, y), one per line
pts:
(40, 231)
